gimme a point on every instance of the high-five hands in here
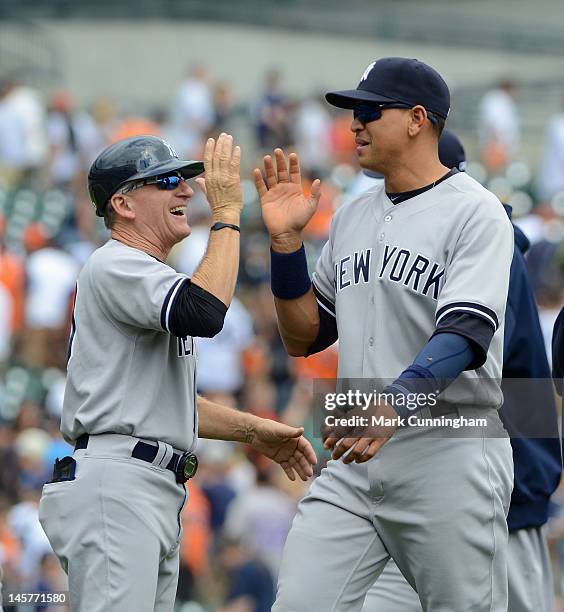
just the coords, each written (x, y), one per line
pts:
(222, 182)
(285, 209)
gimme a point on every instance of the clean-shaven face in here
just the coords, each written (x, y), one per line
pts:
(378, 142)
(160, 214)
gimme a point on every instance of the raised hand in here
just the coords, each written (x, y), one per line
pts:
(285, 209)
(222, 182)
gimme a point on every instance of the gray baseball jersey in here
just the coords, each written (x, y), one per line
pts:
(126, 373)
(390, 273)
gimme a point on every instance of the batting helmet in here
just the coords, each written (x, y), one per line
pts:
(132, 159)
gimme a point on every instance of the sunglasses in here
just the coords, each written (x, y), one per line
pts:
(168, 182)
(366, 114)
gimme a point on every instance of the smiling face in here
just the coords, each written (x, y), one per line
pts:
(162, 213)
(155, 216)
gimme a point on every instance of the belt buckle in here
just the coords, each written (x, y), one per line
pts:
(186, 468)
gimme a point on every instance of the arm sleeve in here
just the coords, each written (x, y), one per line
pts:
(194, 312)
(323, 285)
(477, 276)
(477, 331)
(437, 365)
(328, 332)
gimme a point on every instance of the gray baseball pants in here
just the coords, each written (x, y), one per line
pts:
(433, 502)
(116, 528)
(529, 579)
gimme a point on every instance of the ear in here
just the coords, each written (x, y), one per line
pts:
(122, 205)
(417, 117)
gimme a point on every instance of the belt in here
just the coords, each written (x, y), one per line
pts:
(183, 465)
(442, 408)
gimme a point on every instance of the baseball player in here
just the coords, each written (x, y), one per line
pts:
(537, 461)
(558, 351)
(112, 510)
(413, 282)
(558, 362)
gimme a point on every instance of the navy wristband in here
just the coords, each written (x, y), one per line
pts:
(289, 278)
(398, 403)
(417, 379)
(411, 385)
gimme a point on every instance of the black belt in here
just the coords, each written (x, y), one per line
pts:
(442, 409)
(184, 465)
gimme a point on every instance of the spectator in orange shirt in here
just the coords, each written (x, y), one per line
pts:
(195, 543)
(12, 276)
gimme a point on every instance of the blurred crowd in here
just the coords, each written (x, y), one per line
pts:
(240, 505)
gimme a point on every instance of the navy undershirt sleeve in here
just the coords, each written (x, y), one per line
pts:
(558, 352)
(476, 330)
(328, 333)
(439, 363)
(196, 312)
(445, 356)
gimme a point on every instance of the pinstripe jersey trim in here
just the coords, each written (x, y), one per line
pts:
(324, 302)
(476, 309)
(73, 324)
(169, 303)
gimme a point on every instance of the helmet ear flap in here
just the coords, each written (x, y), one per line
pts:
(99, 197)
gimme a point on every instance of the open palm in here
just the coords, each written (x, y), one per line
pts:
(285, 209)
(286, 446)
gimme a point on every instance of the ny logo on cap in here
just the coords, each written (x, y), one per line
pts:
(367, 72)
(170, 149)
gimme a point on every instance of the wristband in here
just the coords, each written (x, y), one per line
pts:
(217, 226)
(289, 278)
(399, 396)
(414, 381)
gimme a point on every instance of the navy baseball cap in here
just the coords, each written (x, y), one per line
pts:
(397, 79)
(451, 151)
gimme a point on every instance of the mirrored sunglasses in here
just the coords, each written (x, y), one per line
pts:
(166, 182)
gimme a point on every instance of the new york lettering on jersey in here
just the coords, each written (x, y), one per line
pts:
(396, 264)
